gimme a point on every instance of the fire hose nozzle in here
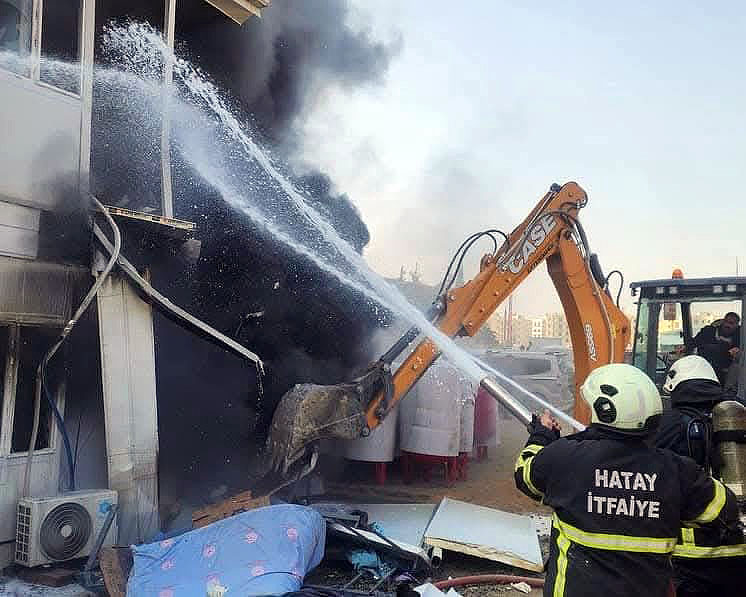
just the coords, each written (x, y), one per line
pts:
(519, 411)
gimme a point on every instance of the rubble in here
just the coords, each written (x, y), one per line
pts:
(430, 590)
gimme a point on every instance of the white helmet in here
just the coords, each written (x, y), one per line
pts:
(687, 368)
(623, 397)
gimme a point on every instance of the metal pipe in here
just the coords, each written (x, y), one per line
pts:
(533, 397)
(100, 538)
(175, 312)
(519, 411)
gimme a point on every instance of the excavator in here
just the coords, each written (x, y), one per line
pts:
(552, 232)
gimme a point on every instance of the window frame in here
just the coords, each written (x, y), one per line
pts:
(33, 73)
(10, 385)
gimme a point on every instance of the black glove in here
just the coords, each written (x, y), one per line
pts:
(537, 428)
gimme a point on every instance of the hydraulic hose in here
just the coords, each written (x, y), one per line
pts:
(41, 385)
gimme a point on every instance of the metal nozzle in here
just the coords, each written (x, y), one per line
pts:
(519, 411)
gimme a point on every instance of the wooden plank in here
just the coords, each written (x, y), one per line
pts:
(239, 10)
(242, 502)
(115, 563)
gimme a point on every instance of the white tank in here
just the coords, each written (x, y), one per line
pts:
(430, 419)
(379, 446)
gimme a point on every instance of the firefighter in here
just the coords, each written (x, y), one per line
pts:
(618, 502)
(706, 561)
(719, 343)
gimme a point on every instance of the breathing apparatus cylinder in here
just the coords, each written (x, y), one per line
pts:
(729, 437)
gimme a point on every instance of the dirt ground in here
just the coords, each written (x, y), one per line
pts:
(489, 483)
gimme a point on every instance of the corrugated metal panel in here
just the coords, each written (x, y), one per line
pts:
(19, 230)
(35, 292)
(400, 522)
(240, 10)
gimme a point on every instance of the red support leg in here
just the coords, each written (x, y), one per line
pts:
(406, 467)
(463, 466)
(381, 473)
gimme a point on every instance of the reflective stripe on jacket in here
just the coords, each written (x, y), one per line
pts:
(618, 508)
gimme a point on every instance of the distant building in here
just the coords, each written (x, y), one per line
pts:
(556, 327)
(537, 327)
(522, 328)
(497, 323)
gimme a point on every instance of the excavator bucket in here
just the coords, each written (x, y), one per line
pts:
(307, 414)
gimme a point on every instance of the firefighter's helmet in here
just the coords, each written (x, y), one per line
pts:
(687, 369)
(622, 397)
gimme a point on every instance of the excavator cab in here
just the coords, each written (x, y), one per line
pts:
(670, 313)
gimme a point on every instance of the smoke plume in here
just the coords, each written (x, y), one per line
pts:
(304, 326)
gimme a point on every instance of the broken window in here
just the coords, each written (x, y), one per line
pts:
(60, 45)
(33, 343)
(15, 34)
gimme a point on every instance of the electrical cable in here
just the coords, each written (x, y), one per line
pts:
(41, 385)
(77, 440)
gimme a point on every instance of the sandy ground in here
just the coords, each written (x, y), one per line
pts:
(489, 483)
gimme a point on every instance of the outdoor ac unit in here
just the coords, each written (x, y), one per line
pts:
(63, 527)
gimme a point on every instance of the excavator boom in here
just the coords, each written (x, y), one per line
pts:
(551, 232)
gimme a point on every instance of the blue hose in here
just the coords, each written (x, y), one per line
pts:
(61, 425)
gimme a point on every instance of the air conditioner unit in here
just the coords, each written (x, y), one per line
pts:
(63, 527)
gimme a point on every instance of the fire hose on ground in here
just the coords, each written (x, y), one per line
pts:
(488, 579)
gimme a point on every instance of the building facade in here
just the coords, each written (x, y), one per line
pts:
(104, 377)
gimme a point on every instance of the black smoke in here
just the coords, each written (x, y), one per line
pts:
(305, 325)
(278, 65)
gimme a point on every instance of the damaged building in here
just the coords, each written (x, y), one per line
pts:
(164, 387)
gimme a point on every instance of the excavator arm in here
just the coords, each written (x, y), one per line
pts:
(551, 232)
(598, 329)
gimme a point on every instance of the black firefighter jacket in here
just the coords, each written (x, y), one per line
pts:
(618, 507)
(704, 558)
(714, 348)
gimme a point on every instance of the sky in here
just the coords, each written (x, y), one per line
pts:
(488, 103)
